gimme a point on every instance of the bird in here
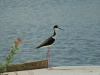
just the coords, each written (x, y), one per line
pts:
(49, 41)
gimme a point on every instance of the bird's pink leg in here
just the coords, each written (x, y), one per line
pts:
(49, 58)
(50, 62)
(48, 54)
(48, 51)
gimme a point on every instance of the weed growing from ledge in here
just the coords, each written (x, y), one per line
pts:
(4, 65)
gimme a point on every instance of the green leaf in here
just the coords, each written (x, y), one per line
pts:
(6, 59)
(9, 58)
(12, 56)
(9, 61)
(5, 69)
(11, 46)
(12, 51)
(17, 48)
(5, 65)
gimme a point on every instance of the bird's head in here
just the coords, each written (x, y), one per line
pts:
(56, 27)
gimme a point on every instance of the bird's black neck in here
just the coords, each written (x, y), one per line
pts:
(54, 33)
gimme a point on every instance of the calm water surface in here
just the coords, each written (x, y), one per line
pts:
(33, 21)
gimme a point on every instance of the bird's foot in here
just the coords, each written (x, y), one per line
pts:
(50, 68)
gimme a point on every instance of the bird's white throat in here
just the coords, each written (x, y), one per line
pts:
(54, 36)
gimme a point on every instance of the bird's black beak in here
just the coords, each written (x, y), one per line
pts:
(61, 29)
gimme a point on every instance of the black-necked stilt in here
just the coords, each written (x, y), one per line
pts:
(48, 42)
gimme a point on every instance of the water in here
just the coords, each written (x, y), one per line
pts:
(33, 21)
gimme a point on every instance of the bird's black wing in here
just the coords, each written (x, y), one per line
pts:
(47, 42)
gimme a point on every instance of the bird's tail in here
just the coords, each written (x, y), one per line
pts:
(36, 48)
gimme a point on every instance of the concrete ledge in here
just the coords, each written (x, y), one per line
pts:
(61, 70)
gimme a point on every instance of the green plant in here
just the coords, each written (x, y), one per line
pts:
(9, 57)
